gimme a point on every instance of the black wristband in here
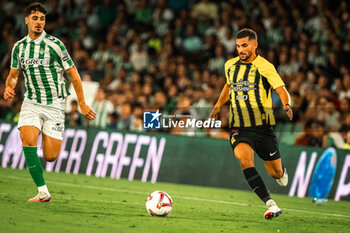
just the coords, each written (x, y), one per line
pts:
(288, 105)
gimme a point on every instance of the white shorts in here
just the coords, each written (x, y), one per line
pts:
(48, 120)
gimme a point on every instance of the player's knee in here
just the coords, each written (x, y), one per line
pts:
(244, 157)
(29, 135)
(50, 158)
(28, 142)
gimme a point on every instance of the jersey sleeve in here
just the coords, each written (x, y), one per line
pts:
(268, 70)
(15, 57)
(226, 73)
(228, 68)
(66, 60)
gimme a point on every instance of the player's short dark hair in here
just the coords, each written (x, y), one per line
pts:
(34, 7)
(247, 32)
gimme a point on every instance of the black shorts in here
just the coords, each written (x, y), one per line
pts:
(261, 139)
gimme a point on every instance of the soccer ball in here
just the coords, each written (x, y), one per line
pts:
(159, 204)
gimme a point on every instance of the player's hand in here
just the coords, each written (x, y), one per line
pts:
(289, 111)
(87, 111)
(214, 113)
(9, 93)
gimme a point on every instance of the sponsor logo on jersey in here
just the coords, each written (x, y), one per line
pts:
(32, 61)
(241, 97)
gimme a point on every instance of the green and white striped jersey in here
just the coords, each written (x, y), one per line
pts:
(43, 62)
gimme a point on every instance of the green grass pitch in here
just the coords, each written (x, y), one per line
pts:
(89, 204)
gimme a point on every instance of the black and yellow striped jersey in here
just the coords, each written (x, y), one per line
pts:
(250, 91)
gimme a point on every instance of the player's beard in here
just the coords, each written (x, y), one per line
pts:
(37, 32)
(247, 56)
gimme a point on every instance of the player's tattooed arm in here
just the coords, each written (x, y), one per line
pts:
(11, 83)
(224, 97)
(78, 87)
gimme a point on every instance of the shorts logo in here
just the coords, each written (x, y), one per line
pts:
(272, 154)
(233, 140)
(234, 132)
(151, 120)
(58, 127)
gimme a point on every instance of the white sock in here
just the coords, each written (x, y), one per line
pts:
(270, 203)
(43, 189)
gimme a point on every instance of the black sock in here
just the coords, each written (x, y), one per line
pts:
(256, 183)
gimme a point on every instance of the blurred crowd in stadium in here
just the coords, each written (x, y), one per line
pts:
(170, 55)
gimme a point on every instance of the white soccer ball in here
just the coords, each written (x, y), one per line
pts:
(159, 204)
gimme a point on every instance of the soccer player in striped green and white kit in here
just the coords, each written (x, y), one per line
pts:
(43, 60)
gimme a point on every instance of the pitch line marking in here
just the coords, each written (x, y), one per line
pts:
(176, 196)
(89, 200)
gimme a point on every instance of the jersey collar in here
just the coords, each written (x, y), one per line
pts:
(37, 40)
(257, 58)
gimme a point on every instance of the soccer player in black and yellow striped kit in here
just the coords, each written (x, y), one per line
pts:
(250, 79)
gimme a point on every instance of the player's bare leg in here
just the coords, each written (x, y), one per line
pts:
(275, 169)
(29, 136)
(51, 147)
(245, 154)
